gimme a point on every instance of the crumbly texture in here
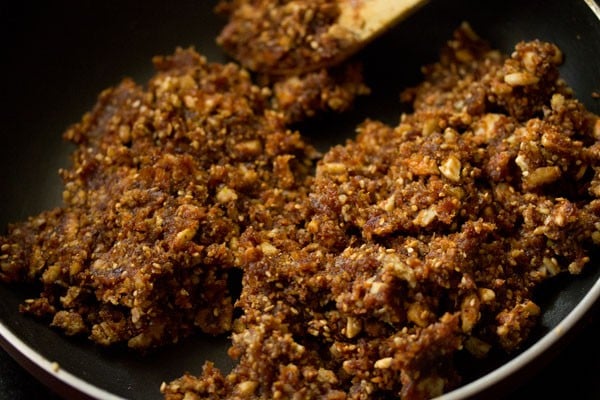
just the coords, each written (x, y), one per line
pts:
(300, 97)
(424, 241)
(283, 36)
(164, 181)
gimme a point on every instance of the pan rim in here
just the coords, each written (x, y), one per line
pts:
(562, 330)
(47, 371)
(62, 380)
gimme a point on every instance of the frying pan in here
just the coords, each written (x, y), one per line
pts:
(57, 57)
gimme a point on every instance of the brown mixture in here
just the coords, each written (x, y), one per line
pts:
(163, 183)
(283, 35)
(412, 245)
(422, 242)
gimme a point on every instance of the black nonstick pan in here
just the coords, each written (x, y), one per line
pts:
(57, 57)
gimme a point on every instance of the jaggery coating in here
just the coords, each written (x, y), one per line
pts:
(424, 241)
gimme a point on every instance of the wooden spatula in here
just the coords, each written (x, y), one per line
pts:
(367, 19)
(305, 50)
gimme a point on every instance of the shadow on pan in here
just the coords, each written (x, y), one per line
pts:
(59, 56)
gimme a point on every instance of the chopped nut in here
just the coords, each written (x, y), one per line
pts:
(383, 363)
(486, 295)
(521, 79)
(425, 217)
(184, 236)
(226, 195)
(268, 249)
(419, 314)
(326, 376)
(191, 396)
(353, 327)
(450, 168)
(333, 168)
(542, 176)
(469, 312)
(55, 367)
(249, 147)
(557, 102)
(551, 265)
(596, 237)
(246, 388)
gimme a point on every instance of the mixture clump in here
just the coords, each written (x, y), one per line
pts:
(163, 182)
(423, 241)
(283, 36)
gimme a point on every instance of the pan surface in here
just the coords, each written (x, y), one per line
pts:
(59, 55)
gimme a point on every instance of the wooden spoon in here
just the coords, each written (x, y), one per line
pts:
(367, 19)
(284, 40)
